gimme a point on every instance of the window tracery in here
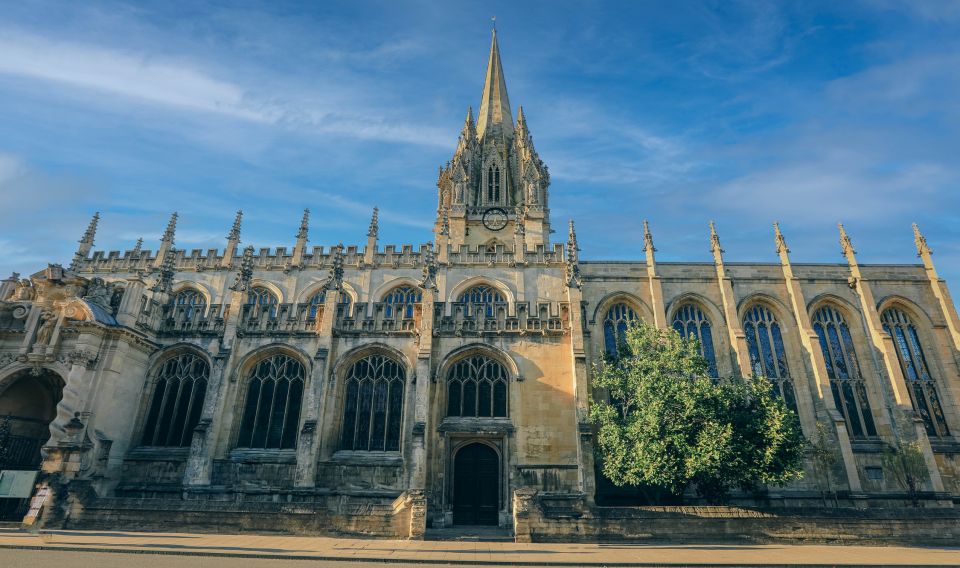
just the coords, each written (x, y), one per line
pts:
(767, 355)
(190, 301)
(615, 324)
(477, 387)
(690, 322)
(178, 393)
(373, 405)
(402, 301)
(262, 300)
(843, 370)
(482, 297)
(913, 363)
(272, 411)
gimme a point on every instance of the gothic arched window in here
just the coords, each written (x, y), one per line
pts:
(493, 184)
(615, 325)
(320, 297)
(846, 382)
(262, 301)
(178, 393)
(189, 302)
(913, 363)
(272, 412)
(691, 322)
(483, 297)
(477, 387)
(767, 355)
(373, 405)
(402, 299)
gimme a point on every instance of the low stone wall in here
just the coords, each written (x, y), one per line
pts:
(544, 517)
(403, 516)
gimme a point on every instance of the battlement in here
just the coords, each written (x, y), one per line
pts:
(318, 257)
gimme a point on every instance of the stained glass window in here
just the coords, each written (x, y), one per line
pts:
(262, 300)
(401, 300)
(477, 386)
(615, 325)
(189, 302)
(691, 322)
(482, 297)
(178, 393)
(272, 412)
(373, 405)
(922, 386)
(767, 355)
(843, 370)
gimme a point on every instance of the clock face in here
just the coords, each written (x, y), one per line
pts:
(494, 218)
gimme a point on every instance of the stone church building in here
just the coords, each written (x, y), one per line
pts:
(382, 390)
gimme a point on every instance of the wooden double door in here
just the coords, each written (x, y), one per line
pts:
(476, 485)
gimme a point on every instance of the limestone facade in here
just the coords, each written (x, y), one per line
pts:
(338, 386)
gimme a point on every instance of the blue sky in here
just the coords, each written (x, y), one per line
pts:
(680, 112)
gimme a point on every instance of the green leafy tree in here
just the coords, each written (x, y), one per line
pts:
(667, 425)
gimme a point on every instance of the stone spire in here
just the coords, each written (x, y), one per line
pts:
(245, 275)
(923, 249)
(301, 245)
(166, 241)
(369, 254)
(374, 229)
(649, 250)
(573, 259)
(715, 247)
(304, 226)
(233, 240)
(846, 245)
(86, 241)
(781, 243)
(495, 105)
(137, 248)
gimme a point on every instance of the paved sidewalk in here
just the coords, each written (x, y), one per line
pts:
(476, 553)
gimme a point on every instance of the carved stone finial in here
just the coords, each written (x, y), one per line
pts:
(715, 240)
(91, 231)
(86, 242)
(779, 240)
(573, 279)
(170, 230)
(137, 248)
(374, 229)
(167, 270)
(846, 245)
(444, 222)
(304, 226)
(429, 279)
(918, 239)
(235, 229)
(647, 238)
(335, 281)
(245, 274)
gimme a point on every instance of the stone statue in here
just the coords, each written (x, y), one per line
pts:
(48, 321)
(98, 293)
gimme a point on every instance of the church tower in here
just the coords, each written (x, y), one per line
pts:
(496, 185)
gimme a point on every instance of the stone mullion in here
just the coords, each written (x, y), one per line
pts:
(200, 463)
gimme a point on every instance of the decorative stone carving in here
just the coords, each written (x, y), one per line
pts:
(429, 279)
(335, 281)
(245, 275)
(48, 322)
(82, 357)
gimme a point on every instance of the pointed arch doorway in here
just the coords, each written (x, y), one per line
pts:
(476, 485)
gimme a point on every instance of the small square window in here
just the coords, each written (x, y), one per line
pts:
(874, 473)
